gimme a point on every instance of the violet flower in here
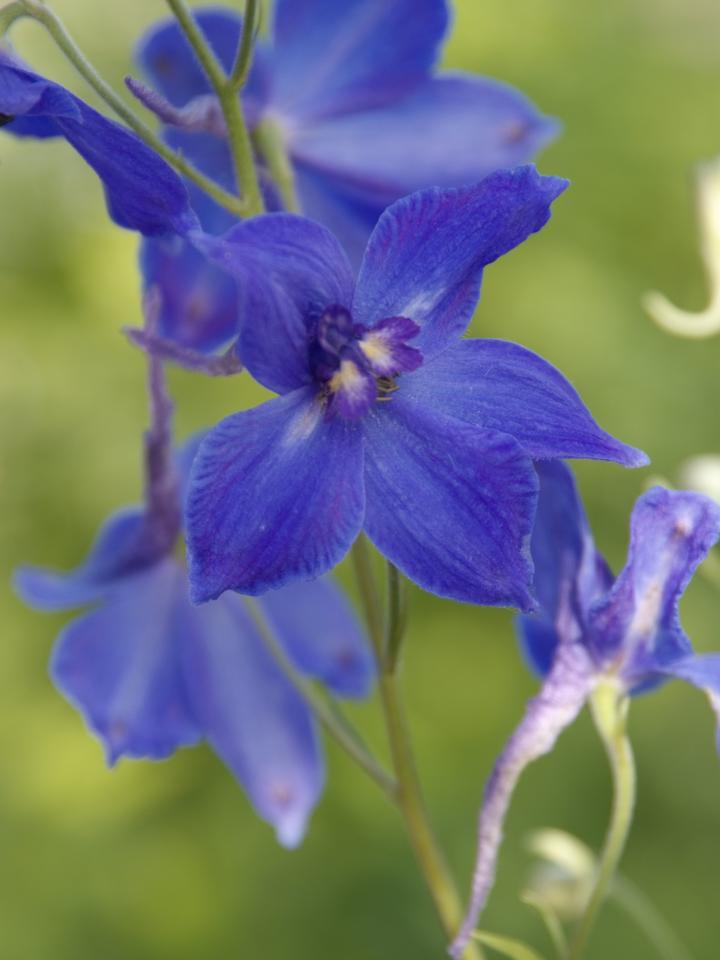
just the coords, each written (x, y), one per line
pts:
(592, 627)
(151, 673)
(387, 420)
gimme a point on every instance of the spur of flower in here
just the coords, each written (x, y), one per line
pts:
(595, 628)
(386, 421)
(151, 673)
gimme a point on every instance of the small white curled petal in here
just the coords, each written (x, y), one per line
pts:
(704, 323)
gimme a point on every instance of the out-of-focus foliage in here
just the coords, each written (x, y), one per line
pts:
(153, 862)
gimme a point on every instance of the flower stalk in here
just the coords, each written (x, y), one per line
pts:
(410, 802)
(609, 710)
(226, 91)
(331, 719)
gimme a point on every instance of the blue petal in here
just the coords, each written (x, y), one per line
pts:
(477, 126)
(671, 532)
(276, 494)
(702, 671)
(333, 58)
(569, 572)
(143, 193)
(350, 216)
(502, 386)
(199, 305)
(321, 633)
(289, 270)
(452, 506)
(39, 128)
(253, 718)
(168, 61)
(119, 665)
(119, 550)
(425, 258)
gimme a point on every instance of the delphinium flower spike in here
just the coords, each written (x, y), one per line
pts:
(151, 673)
(593, 628)
(387, 420)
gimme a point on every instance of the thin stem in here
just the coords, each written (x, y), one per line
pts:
(243, 60)
(649, 919)
(331, 719)
(238, 136)
(369, 595)
(9, 14)
(44, 15)
(609, 710)
(397, 615)
(409, 797)
(268, 140)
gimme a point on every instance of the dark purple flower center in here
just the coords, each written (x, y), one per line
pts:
(356, 365)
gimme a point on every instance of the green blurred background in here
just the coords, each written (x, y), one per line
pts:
(160, 861)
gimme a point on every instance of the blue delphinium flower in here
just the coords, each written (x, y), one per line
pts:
(592, 627)
(387, 421)
(151, 673)
(349, 88)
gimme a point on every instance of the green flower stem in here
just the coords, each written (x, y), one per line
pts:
(409, 798)
(330, 718)
(270, 145)
(649, 919)
(227, 94)
(397, 615)
(609, 709)
(9, 14)
(43, 15)
(243, 60)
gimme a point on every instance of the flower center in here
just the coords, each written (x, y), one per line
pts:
(356, 365)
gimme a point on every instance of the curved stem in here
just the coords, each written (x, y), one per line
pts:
(243, 60)
(57, 30)
(609, 710)
(9, 14)
(426, 848)
(333, 722)
(238, 136)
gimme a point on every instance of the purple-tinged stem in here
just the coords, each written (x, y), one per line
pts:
(560, 700)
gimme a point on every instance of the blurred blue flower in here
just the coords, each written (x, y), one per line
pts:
(387, 421)
(592, 627)
(151, 673)
(349, 88)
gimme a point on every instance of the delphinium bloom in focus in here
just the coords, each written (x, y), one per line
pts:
(592, 627)
(151, 673)
(387, 420)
